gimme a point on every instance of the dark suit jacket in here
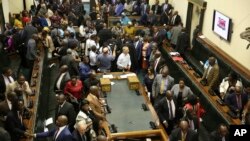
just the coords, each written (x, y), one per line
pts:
(158, 12)
(65, 135)
(65, 79)
(176, 135)
(164, 19)
(4, 108)
(4, 135)
(162, 109)
(77, 136)
(176, 21)
(2, 87)
(69, 111)
(70, 62)
(231, 101)
(183, 43)
(14, 126)
(215, 136)
(161, 63)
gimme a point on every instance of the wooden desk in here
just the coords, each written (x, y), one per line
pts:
(222, 110)
(37, 70)
(139, 126)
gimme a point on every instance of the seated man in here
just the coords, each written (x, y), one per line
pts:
(237, 100)
(227, 86)
(221, 134)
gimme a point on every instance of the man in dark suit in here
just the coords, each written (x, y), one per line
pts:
(159, 62)
(166, 110)
(183, 133)
(6, 105)
(62, 79)
(67, 109)
(192, 119)
(70, 62)
(29, 30)
(80, 133)
(161, 84)
(221, 134)
(156, 8)
(4, 135)
(211, 74)
(14, 121)
(176, 19)
(237, 100)
(61, 133)
(183, 42)
(5, 79)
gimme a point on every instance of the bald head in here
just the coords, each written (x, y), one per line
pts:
(62, 120)
(183, 125)
(169, 95)
(212, 61)
(93, 90)
(102, 138)
(64, 68)
(223, 130)
(164, 72)
(61, 99)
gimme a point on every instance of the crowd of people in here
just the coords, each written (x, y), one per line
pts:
(84, 45)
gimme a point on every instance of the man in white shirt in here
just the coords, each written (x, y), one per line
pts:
(5, 79)
(89, 43)
(92, 58)
(124, 61)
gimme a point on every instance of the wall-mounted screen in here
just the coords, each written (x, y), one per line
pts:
(222, 25)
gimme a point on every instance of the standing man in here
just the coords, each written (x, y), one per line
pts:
(5, 79)
(61, 133)
(104, 59)
(211, 75)
(221, 134)
(31, 54)
(183, 42)
(161, 84)
(67, 109)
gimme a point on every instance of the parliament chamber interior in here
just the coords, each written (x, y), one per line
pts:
(123, 70)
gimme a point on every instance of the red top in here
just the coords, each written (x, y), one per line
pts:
(76, 90)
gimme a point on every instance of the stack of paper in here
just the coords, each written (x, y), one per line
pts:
(110, 76)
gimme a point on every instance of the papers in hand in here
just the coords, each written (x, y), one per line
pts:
(112, 83)
(174, 53)
(202, 36)
(48, 121)
(126, 75)
(108, 76)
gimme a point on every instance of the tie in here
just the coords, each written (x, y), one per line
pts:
(9, 79)
(162, 86)
(183, 136)
(191, 124)
(171, 110)
(55, 136)
(59, 108)
(239, 102)
(20, 117)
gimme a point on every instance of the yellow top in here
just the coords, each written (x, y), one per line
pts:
(18, 24)
(130, 31)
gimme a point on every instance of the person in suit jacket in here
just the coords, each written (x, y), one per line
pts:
(70, 62)
(61, 133)
(80, 133)
(161, 84)
(14, 121)
(67, 109)
(164, 18)
(159, 62)
(183, 133)
(220, 134)
(5, 79)
(175, 19)
(6, 105)
(175, 32)
(183, 42)
(167, 7)
(156, 8)
(192, 119)
(62, 79)
(181, 92)
(166, 110)
(4, 135)
(211, 74)
(237, 100)
(21, 87)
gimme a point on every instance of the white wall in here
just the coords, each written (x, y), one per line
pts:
(240, 14)
(14, 6)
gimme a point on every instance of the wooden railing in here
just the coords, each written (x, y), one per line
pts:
(35, 87)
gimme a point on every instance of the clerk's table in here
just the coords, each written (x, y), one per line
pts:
(125, 97)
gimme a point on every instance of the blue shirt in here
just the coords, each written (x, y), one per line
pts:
(84, 70)
(104, 61)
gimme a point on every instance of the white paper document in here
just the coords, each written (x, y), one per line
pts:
(48, 121)
(108, 76)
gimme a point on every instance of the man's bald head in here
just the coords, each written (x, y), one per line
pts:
(64, 68)
(60, 99)
(165, 71)
(93, 90)
(81, 127)
(184, 125)
(62, 120)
